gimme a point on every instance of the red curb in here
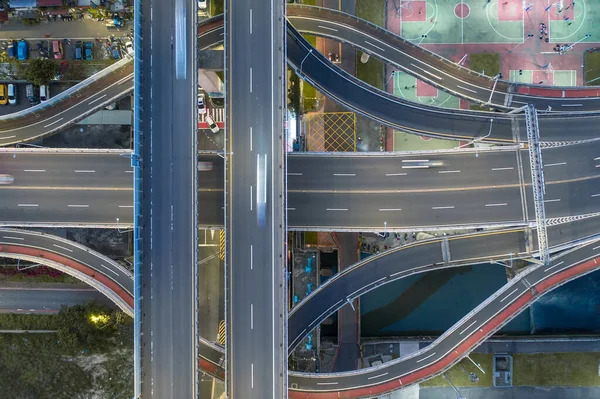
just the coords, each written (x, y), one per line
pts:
(88, 271)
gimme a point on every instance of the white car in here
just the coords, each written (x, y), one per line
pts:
(6, 179)
(201, 104)
(205, 166)
(211, 124)
(202, 4)
(129, 47)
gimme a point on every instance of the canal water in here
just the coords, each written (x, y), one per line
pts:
(428, 304)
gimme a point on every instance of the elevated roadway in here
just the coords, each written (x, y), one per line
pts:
(43, 120)
(340, 191)
(168, 158)
(70, 257)
(256, 355)
(434, 69)
(400, 114)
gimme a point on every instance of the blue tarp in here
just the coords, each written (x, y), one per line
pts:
(23, 4)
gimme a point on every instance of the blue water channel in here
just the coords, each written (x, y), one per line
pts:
(428, 304)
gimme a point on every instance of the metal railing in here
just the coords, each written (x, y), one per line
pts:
(137, 211)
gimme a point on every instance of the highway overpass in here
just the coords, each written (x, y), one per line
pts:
(325, 191)
(256, 355)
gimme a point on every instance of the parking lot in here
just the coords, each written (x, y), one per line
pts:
(23, 103)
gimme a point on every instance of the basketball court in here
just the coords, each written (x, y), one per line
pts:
(547, 76)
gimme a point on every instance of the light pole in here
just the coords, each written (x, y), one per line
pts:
(391, 76)
(305, 57)
(494, 87)
(122, 231)
(529, 36)
(29, 145)
(478, 138)
(570, 46)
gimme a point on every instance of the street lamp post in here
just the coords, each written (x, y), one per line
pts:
(529, 36)
(494, 87)
(122, 231)
(305, 57)
(22, 144)
(479, 138)
(570, 46)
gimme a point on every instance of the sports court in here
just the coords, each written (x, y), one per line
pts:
(547, 76)
(570, 21)
(467, 21)
(412, 89)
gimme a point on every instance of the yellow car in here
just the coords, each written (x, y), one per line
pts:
(3, 98)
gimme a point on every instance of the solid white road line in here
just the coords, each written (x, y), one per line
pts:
(396, 174)
(294, 174)
(27, 205)
(109, 269)
(98, 99)
(327, 383)
(425, 358)
(250, 134)
(7, 137)
(337, 209)
(552, 267)
(34, 170)
(78, 206)
(325, 27)
(466, 328)
(125, 206)
(464, 88)
(571, 105)
(500, 204)
(129, 171)
(290, 209)
(61, 247)
(554, 164)
(553, 200)
(85, 171)
(251, 316)
(595, 195)
(344, 174)
(251, 198)
(21, 238)
(416, 167)
(442, 207)
(53, 123)
(251, 258)
(389, 209)
(509, 294)
(250, 80)
(415, 160)
(449, 171)
(593, 249)
(377, 47)
(252, 375)
(511, 168)
(377, 376)
(250, 21)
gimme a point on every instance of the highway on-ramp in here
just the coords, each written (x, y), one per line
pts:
(255, 228)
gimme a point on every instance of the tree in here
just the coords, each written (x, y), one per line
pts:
(40, 71)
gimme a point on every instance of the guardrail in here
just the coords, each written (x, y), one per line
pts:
(47, 150)
(137, 197)
(61, 96)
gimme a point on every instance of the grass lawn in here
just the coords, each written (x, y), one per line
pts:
(216, 7)
(459, 374)
(556, 369)
(372, 71)
(310, 238)
(313, 2)
(488, 63)
(592, 68)
(41, 278)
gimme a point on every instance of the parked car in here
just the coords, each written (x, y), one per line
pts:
(3, 95)
(12, 94)
(32, 95)
(116, 54)
(57, 50)
(22, 50)
(44, 93)
(202, 4)
(78, 50)
(129, 47)
(89, 51)
(201, 104)
(12, 49)
(211, 124)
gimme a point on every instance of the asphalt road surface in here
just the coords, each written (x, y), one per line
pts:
(46, 298)
(256, 354)
(169, 360)
(341, 191)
